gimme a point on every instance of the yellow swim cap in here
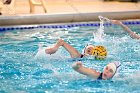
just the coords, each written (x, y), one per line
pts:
(99, 52)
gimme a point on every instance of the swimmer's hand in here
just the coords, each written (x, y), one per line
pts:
(77, 65)
(53, 49)
(116, 22)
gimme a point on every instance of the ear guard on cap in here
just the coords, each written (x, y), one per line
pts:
(118, 64)
(99, 52)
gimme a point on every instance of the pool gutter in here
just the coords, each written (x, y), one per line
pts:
(65, 18)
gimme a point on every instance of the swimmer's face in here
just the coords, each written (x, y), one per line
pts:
(89, 49)
(107, 73)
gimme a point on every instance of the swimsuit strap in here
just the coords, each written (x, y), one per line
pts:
(81, 56)
(100, 77)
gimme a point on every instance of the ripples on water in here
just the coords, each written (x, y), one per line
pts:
(20, 72)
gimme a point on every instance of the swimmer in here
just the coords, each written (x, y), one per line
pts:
(108, 72)
(99, 52)
(131, 33)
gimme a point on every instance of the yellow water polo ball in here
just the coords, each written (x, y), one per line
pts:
(99, 52)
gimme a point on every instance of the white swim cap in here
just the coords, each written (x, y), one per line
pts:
(114, 66)
(88, 46)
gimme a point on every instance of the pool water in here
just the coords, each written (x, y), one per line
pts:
(22, 72)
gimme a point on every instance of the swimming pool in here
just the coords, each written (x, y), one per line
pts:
(20, 71)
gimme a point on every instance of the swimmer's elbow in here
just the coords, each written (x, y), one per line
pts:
(77, 66)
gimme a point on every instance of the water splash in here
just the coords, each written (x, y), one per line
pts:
(99, 34)
(104, 18)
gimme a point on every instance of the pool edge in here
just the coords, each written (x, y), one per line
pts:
(65, 18)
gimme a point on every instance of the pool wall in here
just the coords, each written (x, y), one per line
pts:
(65, 18)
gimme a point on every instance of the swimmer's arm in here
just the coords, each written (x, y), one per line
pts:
(127, 29)
(86, 71)
(73, 52)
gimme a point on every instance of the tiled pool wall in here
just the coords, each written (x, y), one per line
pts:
(69, 25)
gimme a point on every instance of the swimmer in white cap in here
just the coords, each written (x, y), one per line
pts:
(88, 50)
(108, 72)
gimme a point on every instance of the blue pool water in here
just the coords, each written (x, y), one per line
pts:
(21, 72)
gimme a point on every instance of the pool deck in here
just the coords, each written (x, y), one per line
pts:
(59, 11)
